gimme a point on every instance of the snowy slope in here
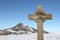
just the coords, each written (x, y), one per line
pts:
(30, 36)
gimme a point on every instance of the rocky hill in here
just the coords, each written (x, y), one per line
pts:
(19, 29)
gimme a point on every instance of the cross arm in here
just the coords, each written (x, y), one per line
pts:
(48, 16)
(32, 17)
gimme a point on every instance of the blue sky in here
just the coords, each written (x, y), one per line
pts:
(13, 12)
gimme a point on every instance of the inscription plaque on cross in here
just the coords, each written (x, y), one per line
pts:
(39, 17)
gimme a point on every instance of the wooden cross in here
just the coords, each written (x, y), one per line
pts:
(39, 17)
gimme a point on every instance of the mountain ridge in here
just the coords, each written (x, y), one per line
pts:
(20, 28)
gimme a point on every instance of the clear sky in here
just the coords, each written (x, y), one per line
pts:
(13, 12)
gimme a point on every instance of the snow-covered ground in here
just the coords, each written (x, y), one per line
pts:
(30, 36)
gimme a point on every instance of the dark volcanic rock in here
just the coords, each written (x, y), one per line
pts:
(4, 32)
(20, 27)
